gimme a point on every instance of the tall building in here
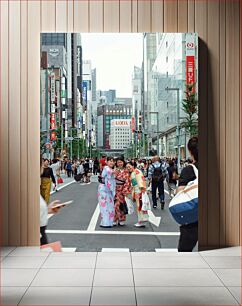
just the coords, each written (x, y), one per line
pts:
(110, 95)
(105, 114)
(137, 103)
(149, 102)
(62, 62)
(89, 104)
(120, 134)
(54, 74)
(170, 70)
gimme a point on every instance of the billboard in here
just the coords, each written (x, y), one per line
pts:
(84, 91)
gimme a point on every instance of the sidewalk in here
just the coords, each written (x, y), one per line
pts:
(31, 277)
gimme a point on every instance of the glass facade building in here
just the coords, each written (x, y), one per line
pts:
(170, 72)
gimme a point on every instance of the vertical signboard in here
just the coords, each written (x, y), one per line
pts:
(52, 87)
(190, 58)
(133, 124)
(84, 91)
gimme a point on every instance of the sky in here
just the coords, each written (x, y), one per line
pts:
(114, 56)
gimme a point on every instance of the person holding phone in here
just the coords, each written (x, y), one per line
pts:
(44, 211)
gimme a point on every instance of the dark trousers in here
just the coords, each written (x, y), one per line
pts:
(43, 239)
(188, 237)
(69, 173)
(160, 186)
(95, 170)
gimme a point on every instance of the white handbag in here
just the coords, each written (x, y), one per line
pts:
(145, 202)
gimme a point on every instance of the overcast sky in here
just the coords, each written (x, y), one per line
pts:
(114, 56)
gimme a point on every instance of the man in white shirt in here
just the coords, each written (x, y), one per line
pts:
(56, 170)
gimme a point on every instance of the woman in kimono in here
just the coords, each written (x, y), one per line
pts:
(138, 187)
(106, 193)
(123, 188)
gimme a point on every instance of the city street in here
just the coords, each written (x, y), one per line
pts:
(77, 224)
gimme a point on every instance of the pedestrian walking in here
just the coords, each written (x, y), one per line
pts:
(157, 174)
(106, 194)
(188, 232)
(90, 165)
(86, 170)
(46, 177)
(172, 178)
(138, 187)
(56, 167)
(123, 188)
(69, 168)
(95, 166)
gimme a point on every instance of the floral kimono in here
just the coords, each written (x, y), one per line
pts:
(123, 188)
(138, 181)
(106, 193)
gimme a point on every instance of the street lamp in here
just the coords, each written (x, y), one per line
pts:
(177, 125)
(157, 130)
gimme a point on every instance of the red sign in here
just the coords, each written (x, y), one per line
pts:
(52, 121)
(53, 136)
(133, 124)
(190, 69)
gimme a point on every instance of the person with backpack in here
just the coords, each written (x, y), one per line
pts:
(156, 175)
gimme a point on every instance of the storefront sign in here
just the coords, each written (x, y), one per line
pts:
(190, 69)
(120, 122)
(52, 121)
(52, 87)
(54, 52)
(84, 91)
(133, 124)
(52, 108)
(53, 136)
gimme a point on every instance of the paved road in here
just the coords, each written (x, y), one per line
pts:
(77, 225)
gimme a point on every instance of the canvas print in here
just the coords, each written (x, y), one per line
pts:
(119, 142)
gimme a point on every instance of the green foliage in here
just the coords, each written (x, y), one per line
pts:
(190, 107)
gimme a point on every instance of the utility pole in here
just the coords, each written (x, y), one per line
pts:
(71, 144)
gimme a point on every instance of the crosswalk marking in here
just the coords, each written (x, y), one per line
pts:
(113, 232)
(93, 222)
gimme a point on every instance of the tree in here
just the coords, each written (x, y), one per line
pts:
(190, 107)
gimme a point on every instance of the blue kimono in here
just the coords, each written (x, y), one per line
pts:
(106, 193)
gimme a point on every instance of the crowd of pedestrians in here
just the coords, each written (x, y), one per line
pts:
(123, 181)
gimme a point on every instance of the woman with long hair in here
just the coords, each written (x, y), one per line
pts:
(138, 187)
(106, 194)
(123, 188)
(47, 176)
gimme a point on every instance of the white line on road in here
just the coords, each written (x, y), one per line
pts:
(93, 222)
(59, 188)
(113, 232)
(153, 219)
